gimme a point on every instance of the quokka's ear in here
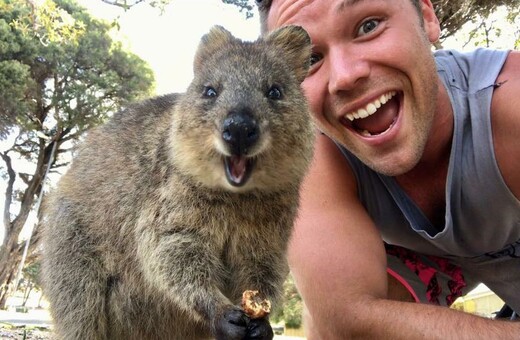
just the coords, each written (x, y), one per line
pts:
(296, 45)
(211, 42)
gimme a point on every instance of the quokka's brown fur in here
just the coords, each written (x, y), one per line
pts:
(147, 236)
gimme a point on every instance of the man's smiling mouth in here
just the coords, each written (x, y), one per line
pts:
(376, 117)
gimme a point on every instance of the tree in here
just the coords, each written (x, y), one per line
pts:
(290, 312)
(31, 277)
(499, 30)
(60, 74)
(453, 14)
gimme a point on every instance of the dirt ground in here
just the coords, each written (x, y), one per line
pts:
(42, 334)
(20, 333)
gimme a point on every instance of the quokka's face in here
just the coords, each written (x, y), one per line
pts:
(243, 123)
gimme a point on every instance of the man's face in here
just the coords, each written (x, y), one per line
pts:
(373, 84)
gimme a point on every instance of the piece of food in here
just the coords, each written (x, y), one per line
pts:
(255, 305)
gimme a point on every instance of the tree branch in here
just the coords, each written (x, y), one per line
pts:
(126, 4)
(8, 192)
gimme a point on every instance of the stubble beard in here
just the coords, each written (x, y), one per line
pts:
(422, 117)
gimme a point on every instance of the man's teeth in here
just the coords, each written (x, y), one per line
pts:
(371, 108)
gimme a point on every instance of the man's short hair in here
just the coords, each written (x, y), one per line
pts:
(265, 5)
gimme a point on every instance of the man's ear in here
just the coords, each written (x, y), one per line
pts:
(215, 39)
(296, 45)
(430, 21)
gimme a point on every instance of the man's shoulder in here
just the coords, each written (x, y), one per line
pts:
(471, 70)
(511, 65)
(506, 121)
(507, 86)
(477, 53)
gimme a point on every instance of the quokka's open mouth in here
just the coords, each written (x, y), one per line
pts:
(238, 169)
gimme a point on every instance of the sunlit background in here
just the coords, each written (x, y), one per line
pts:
(167, 39)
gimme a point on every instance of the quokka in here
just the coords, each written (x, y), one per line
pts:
(180, 203)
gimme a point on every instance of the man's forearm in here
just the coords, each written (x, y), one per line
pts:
(386, 319)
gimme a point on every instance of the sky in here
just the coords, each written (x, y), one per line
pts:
(168, 41)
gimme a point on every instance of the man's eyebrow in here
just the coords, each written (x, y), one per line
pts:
(347, 3)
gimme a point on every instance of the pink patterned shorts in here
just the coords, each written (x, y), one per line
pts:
(430, 279)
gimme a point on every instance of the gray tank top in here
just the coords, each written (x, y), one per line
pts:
(482, 221)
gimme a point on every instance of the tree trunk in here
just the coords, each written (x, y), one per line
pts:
(40, 299)
(11, 251)
(10, 265)
(9, 259)
(27, 293)
(5, 290)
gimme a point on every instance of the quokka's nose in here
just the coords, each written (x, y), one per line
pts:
(240, 131)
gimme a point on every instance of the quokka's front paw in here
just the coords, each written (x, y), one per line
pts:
(232, 325)
(259, 329)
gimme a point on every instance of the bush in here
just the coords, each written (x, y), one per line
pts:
(292, 307)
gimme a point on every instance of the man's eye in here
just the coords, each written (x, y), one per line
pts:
(368, 26)
(315, 57)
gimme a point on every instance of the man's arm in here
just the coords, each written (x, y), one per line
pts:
(339, 264)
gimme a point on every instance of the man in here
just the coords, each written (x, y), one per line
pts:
(419, 152)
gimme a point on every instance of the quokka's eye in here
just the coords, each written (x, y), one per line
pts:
(209, 92)
(274, 93)
(315, 58)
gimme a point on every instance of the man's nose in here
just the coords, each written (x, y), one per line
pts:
(347, 70)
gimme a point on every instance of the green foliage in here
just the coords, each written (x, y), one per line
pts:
(15, 78)
(513, 18)
(31, 273)
(50, 23)
(292, 307)
(54, 58)
(501, 29)
(453, 14)
(15, 81)
(31, 280)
